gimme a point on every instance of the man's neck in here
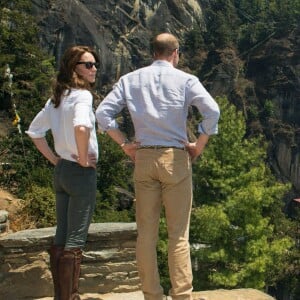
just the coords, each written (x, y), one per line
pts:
(169, 59)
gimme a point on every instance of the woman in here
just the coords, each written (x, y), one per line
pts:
(69, 115)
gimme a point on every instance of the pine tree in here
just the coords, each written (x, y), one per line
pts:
(237, 221)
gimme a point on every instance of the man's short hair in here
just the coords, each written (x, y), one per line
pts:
(164, 44)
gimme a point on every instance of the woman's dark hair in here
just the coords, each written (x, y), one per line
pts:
(67, 78)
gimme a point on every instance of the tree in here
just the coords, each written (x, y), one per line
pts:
(28, 89)
(263, 19)
(221, 23)
(114, 171)
(30, 66)
(237, 222)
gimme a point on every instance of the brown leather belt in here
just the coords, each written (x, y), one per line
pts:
(156, 147)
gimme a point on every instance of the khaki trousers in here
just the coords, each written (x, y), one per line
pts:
(163, 177)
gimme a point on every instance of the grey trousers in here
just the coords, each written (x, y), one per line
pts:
(75, 189)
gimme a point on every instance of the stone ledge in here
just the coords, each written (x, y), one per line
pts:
(238, 294)
(42, 236)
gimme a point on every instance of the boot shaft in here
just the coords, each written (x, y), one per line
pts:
(55, 253)
(69, 272)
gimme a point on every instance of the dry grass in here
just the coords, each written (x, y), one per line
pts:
(18, 219)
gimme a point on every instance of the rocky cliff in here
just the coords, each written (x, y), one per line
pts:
(274, 69)
(264, 81)
(120, 30)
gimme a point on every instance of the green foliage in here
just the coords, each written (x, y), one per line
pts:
(114, 170)
(107, 215)
(261, 19)
(222, 164)
(162, 254)
(193, 39)
(222, 22)
(31, 69)
(25, 164)
(240, 225)
(40, 204)
(245, 23)
(269, 109)
(252, 34)
(218, 223)
(105, 212)
(30, 66)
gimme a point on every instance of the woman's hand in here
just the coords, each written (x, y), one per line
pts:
(90, 162)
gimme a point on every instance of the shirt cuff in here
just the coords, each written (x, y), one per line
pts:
(211, 131)
(35, 135)
(112, 125)
(83, 123)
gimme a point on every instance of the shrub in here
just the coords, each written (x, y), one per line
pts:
(40, 204)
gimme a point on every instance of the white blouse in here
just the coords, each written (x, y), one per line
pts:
(74, 109)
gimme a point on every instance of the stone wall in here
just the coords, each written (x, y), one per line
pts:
(108, 270)
(108, 262)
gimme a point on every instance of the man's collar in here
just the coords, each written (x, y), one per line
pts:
(163, 63)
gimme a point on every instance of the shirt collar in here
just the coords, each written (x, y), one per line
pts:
(162, 63)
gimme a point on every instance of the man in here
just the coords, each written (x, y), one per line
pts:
(158, 97)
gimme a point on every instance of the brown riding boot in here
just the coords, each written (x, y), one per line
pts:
(55, 253)
(69, 272)
(76, 274)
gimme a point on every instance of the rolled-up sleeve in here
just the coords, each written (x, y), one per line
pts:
(206, 105)
(40, 124)
(110, 106)
(83, 109)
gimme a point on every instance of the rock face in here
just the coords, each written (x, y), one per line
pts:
(120, 30)
(108, 270)
(275, 71)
